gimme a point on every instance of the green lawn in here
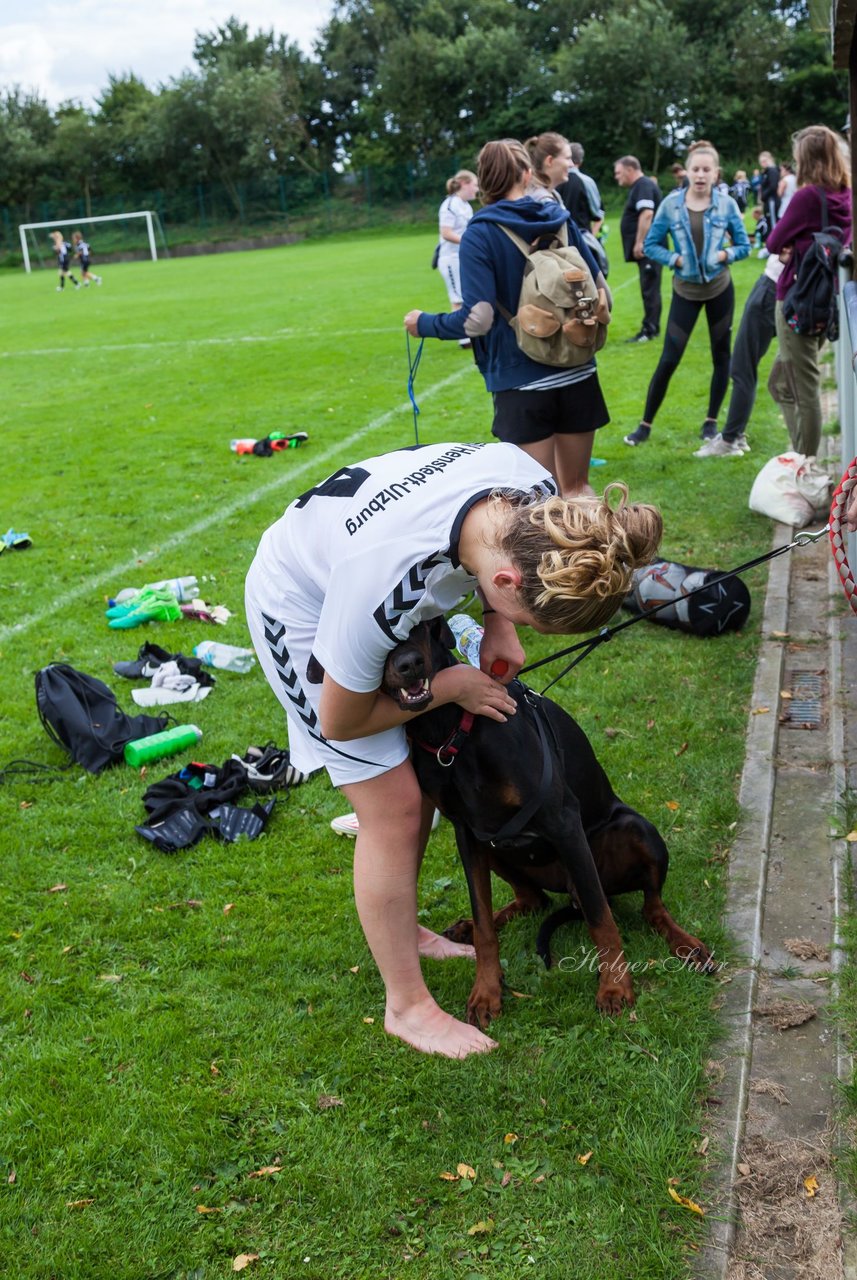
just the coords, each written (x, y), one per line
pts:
(154, 1054)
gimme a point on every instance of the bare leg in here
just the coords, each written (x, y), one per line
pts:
(386, 861)
(435, 945)
(573, 454)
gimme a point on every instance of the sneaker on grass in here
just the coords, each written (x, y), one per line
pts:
(719, 448)
(743, 443)
(639, 436)
(348, 825)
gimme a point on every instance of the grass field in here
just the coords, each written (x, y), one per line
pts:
(154, 1054)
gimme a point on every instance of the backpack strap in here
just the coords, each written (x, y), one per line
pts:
(528, 250)
(824, 214)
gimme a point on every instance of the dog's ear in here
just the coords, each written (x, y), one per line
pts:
(314, 670)
(441, 632)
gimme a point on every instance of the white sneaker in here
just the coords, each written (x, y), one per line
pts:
(743, 443)
(59, 288)
(348, 825)
(763, 253)
(719, 448)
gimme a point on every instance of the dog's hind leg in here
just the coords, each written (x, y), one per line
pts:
(689, 950)
(528, 900)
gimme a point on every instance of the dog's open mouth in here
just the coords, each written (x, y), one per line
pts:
(415, 696)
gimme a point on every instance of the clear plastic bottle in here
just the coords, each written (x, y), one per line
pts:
(157, 745)
(468, 640)
(226, 657)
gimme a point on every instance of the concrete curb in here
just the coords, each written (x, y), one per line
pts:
(745, 904)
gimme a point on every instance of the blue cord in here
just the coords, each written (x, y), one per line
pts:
(413, 365)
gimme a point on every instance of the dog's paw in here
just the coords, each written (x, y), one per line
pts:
(697, 957)
(483, 1006)
(613, 997)
(461, 931)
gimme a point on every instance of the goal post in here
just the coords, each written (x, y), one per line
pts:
(150, 216)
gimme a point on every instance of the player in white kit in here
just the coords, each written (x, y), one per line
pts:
(346, 573)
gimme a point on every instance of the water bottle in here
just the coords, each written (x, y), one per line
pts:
(184, 590)
(468, 640)
(227, 657)
(157, 745)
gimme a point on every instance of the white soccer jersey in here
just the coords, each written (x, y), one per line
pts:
(82, 249)
(454, 214)
(374, 548)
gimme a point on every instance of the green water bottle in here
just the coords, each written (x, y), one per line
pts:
(156, 745)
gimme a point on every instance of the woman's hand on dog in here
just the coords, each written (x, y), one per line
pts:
(474, 691)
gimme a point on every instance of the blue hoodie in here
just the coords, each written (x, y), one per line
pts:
(492, 270)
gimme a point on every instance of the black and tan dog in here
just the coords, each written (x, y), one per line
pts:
(530, 802)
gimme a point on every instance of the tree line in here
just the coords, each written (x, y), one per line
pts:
(425, 82)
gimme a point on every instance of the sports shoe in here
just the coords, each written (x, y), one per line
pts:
(59, 288)
(708, 430)
(268, 768)
(148, 606)
(639, 337)
(348, 825)
(763, 253)
(743, 443)
(719, 448)
(640, 435)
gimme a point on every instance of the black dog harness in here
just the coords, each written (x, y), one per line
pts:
(448, 751)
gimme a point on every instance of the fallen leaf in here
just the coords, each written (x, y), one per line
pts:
(744, 1170)
(688, 1204)
(12, 1179)
(78, 1204)
(703, 1147)
(26, 976)
(266, 1171)
(203, 1208)
(327, 1100)
(448, 1177)
(781, 635)
(650, 724)
(369, 1021)
(58, 888)
(681, 750)
(784, 693)
(481, 1228)
(355, 969)
(510, 1138)
(672, 805)
(506, 1179)
(465, 1171)
(521, 995)
(540, 1178)
(226, 911)
(214, 1069)
(811, 1184)
(760, 711)
(244, 1260)
(66, 950)
(25, 804)
(851, 837)
(110, 977)
(584, 1159)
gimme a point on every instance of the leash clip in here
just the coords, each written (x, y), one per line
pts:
(804, 539)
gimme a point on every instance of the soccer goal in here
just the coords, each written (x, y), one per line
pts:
(150, 223)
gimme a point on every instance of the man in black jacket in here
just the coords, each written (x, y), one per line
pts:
(644, 196)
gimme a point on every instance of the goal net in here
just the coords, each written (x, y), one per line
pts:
(135, 234)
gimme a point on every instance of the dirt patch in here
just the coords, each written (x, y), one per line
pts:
(784, 1014)
(806, 949)
(773, 1089)
(785, 1230)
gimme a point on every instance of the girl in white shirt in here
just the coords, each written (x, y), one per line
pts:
(453, 217)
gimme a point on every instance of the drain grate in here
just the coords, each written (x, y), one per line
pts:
(804, 709)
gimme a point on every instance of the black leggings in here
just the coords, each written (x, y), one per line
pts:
(682, 317)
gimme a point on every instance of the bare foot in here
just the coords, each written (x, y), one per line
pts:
(429, 1029)
(436, 947)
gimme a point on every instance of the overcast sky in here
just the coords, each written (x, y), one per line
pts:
(67, 48)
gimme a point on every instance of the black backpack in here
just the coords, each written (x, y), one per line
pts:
(80, 715)
(811, 306)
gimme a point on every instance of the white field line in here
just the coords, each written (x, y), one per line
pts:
(232, 340)
(314, 463)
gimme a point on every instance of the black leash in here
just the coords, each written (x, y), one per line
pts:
(607, 633)
(413, 365)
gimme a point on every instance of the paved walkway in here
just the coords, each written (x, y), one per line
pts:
(777, 1078)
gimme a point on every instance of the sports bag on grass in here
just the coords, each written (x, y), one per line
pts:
(723, 606)
(811, 306)
(80, 715)
(791, 488)
(562, 316)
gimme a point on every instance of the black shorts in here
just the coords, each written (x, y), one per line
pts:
(524, 417)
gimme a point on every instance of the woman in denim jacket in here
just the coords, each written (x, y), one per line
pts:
(707, 234)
